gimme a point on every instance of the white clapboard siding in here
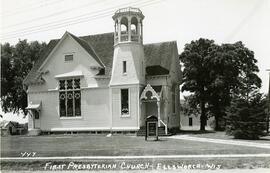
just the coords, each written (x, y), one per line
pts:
(132, 120)
(94, 108)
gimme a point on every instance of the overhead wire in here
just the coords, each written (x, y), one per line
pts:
(74, 21)
(21, 10)
(58, 22)
(54, 14)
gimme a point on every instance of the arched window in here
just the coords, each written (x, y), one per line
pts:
(124, 25)
(134, 24)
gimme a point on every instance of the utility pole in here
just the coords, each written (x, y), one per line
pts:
(268, 115)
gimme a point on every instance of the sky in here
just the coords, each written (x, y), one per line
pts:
(17, 117)
(225, 21)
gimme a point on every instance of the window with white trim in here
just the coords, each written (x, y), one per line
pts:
(69, 98)
(124, 102)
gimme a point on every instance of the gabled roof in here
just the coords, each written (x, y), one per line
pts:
(34, 75)
(159, 54)
(88, 48)
(101, 47)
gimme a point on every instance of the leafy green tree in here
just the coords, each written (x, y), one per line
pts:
(16, 63)
(190, 106)
(214, 72)
(233, 71)
(247, 117)
(224, 77)
(195, 58)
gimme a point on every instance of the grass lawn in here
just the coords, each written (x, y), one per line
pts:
(92, 145)
(98, 145)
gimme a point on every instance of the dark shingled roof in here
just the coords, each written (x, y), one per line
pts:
(156, 70)
(34, 75)
(158, 56)
(157, 88)
(88, 48)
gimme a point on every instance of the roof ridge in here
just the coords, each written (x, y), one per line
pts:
(96, 34)
(173, 41)
(91, 46)
(95, 56)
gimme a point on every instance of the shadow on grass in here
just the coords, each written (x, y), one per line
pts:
(159, 140)
(264, 139)
(193, 132)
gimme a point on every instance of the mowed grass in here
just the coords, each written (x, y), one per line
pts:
(119, 145)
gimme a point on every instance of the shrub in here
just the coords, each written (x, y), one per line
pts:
(247, 117)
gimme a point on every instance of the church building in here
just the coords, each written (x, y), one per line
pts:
(105, 82)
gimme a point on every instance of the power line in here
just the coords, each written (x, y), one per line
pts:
(60, 25)
(83, 21)
(29, 9)
(64, 20)
(75, 21)
(54, 14)
(20, 8)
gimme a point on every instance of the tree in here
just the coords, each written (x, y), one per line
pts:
(190, 106)
(224, 77)
(247, 117)
(214, 72)
(233, 71)
(196, 72)
(16, 63)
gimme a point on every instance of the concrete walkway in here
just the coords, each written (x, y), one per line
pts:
(222, 141)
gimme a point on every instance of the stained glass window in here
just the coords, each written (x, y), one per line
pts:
(69, 98)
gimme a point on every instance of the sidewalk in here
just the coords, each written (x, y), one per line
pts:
(222, 141)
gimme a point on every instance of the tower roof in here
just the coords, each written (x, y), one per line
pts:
(128, 11)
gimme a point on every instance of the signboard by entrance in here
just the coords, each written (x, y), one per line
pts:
(151, 127)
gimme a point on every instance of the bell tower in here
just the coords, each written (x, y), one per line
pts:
(128, 59)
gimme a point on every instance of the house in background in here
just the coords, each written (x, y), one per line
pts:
(192, 121)
(105, 82)
(8, 128)
(12, 128)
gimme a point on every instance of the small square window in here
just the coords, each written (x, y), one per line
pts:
(124, 67)
(68, 57)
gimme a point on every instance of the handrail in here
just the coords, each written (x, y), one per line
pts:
(166, 129)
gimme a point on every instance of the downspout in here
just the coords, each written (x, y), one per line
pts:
(111, 117)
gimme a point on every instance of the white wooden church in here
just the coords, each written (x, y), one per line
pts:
(105, 82)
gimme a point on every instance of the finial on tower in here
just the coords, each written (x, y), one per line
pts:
(128, 25)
